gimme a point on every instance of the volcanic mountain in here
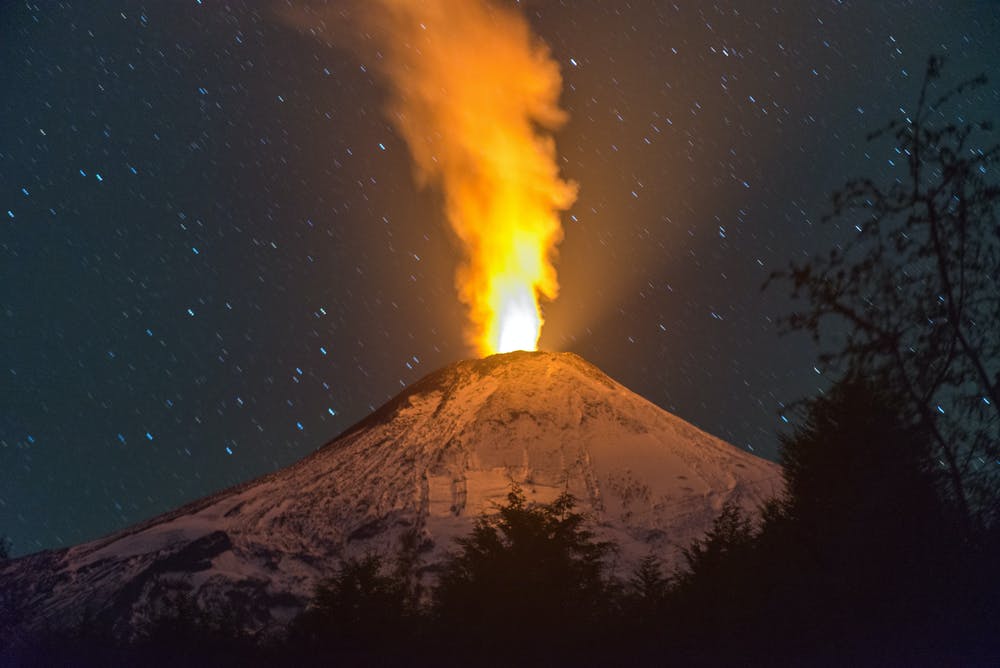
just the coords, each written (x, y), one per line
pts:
(416, 474)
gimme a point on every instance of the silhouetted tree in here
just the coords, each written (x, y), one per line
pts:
(860, 560)
(185, 633)
(732, 533)
(365, 609)
(862, 503)
(916, 286)
(531, 577)
(648, 587)
(9, 613)
(640, 628)
(865, 530)
(859, 458)
(714, 603)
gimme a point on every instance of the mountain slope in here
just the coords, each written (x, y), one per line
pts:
(417, 472)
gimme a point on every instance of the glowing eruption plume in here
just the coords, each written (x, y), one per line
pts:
(475, 95)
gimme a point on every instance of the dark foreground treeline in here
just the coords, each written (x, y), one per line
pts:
(863, 561)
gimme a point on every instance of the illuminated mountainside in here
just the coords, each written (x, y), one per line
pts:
(423, 467)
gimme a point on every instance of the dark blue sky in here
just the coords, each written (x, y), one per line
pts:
(210, 266)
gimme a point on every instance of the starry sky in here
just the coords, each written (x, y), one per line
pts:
(214, 257)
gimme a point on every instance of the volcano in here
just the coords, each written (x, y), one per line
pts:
(416, 473)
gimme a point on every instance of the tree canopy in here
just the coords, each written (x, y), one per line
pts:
(525, 572)
(912, 296)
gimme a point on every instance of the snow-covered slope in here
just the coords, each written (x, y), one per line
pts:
(419, 470)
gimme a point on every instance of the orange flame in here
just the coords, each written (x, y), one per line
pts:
(475, 96)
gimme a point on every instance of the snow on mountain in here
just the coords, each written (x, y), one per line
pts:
(419, 470)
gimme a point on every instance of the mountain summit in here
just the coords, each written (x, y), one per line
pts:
(417, 473)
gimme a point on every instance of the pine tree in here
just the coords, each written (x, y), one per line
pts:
(529, 576)
(354, 610)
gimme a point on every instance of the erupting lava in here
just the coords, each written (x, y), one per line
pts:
(518, 321)
(475, 96)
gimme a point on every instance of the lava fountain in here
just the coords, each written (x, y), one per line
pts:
(475, 95)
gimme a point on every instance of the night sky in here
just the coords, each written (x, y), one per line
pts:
(214, 257)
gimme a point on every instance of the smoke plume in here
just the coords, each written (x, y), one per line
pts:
(475, 96)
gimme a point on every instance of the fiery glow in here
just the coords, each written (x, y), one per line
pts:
(518, 322)
(475, 96)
